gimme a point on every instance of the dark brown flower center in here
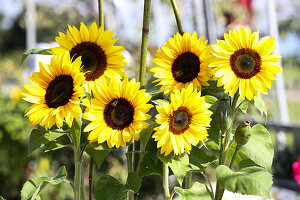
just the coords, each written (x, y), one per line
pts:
(93, 59)
(186, 67)
(59, 91)
(118, 114)
(245, 63)
(180, 120)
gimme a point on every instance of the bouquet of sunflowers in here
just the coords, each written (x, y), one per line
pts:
(83, 99)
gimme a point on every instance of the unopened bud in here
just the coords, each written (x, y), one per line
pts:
(243, 133)
(224, 116)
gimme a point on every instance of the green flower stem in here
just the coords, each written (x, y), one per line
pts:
(91, 178)
(142, 75)
(226, 146)
(72, 185)
(77, 177)
(176, 13)
(166, 181)
(234, 155)
(188, 180)
(130, 167)
(101, 13)
(144, 46)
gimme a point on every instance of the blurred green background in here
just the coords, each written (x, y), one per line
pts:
(125, 17)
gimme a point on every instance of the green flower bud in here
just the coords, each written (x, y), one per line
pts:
(224, 116)
(243, 133)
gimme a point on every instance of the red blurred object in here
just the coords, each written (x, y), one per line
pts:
(247, 4)
(296, 171)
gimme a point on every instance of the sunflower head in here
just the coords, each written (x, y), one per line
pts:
(183, 122)
(181, 61)
(55, 92)
(244, 62)
(117, 112)
(101, 59)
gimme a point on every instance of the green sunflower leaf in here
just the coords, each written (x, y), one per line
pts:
(244, 106)
(158, 101)
(97, 155)
(151, 167)
(35, 51)
(197, 192)
(259, 103)
(58, 143)
(210, 99)
(178, 164)
(250, 180)
(109, 188)
(259, 148)
(199, 159)
(38, 138)
(75, 131)
(146, 134)
(34, 186)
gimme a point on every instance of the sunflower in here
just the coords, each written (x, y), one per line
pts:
(244, 62)
(183, 60)
(55, 92)
(183, 122)
(101, 60)
(117, 112)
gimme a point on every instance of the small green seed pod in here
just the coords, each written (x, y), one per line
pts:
(224, 116)
(243, 133)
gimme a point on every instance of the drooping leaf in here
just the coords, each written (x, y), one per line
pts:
(250, 180)
(97, 155)
(259, 148)
(35, 51)
(39, 138)
(102, 146)
(58, 143)
(34, 186)
(158, 101)
(197, 192)
(260, 105)
(109, 188)
(75, 131)
(199, 159)
(150, 163)
(178, 164)
(239, 156)
(214, 131)
(156, 92)
(134, 181)
(146, 134)
(244, 106)
(150, 167)
(210, 99)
